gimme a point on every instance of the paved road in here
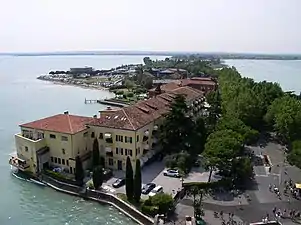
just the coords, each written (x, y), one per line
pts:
(262, 200)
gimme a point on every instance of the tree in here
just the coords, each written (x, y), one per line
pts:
(176, 127)
(164, 202)
(95, 154)
(137, 181)
(284, 115)
(79, 171)
(294, 156)
(97, 177)
(129, 181)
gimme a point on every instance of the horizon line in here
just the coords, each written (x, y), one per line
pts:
(141, 52)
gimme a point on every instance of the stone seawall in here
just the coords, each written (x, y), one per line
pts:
(100, 197)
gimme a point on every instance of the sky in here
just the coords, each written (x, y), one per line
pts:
(245, 26)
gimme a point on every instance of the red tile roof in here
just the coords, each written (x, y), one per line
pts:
(168, 87)
(186, 82)
(61, 123)
(144, 112)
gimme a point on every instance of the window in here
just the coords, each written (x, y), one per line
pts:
(92, 135)
(71, 170)
(130, 151)
(116, 150)
(101, 136)
(119, 138)
(67, 162)
(128, 139)
(137, 138)
(52, 136)
(64, 138)
(111, 162)
(138, 150)
(63, 161)
(126, 151)
(63, 151)
(55, 160)
(121, 151)
(85, 134)
(131, 140)
(59, 160)
(51, 159)
(26, 149)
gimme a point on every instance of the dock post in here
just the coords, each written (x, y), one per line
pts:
(85, 101)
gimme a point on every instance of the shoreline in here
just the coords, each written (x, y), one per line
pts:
(85, 86)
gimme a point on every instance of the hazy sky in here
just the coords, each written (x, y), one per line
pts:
(271, 26)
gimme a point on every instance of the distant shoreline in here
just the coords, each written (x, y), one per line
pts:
(224, 56)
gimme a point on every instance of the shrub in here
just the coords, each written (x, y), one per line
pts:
(90, 184)
(130, 94)
(119, 92)
(163, 201)
(150, 210)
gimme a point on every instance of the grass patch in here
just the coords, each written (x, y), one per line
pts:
(133, 203)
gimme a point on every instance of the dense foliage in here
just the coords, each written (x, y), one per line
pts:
(137, 181)
(129, 179)
(79, 171)
(95, 154)
(159, 204)
(97, 177)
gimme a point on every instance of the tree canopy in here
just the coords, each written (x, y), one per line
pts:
(95, 154)
(129, 179)
(79, 171)
(97, 177)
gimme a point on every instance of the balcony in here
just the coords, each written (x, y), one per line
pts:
(108, 149)
(18, 163)
(109, 154)
(146, 147)
(30, 142)
(146, 135)
(108, 138)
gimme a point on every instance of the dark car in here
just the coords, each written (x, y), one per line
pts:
(147, 188)
(118, 183)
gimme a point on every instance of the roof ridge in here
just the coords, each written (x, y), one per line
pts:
(70, 126)
(194, 90)
(128, 118)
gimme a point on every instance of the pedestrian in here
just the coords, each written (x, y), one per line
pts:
(274, 210)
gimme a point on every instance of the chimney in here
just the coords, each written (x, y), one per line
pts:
(95, 116)
(66, 112)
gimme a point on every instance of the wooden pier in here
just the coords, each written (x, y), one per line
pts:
(90, 101)
(105, 102)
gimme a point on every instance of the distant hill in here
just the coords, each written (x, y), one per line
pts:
(166, 53)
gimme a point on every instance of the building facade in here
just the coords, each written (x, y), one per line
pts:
(54, 142)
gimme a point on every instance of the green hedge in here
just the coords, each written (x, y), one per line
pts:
(60, 177)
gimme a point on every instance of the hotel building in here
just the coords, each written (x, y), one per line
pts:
(130, 131)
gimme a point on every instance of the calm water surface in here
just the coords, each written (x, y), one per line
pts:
(286, 73)
(23, 98)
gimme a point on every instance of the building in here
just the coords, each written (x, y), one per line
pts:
(131, 131)
(204, 84)
(54, 142)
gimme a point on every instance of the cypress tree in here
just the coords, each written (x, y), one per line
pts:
(95, 154)
(97, 177)
(79, 171)
(129, 181)
(137, 182)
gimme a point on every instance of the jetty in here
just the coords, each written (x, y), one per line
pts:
(105, 102)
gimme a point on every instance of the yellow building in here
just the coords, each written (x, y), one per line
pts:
(130, 131)
(52, 142)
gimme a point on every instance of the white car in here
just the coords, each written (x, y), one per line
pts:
(156, 190)
(171, 173)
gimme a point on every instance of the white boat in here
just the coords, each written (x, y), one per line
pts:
(37, 182)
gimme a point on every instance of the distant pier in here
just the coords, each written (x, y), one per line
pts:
(105, 102)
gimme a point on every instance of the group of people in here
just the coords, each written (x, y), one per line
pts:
(230, 221)
(289, 187)
(286, 213)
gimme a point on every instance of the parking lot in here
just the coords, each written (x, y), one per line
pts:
(153, 173)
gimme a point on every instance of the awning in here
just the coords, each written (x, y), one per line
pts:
(298, 186)
(108, 135)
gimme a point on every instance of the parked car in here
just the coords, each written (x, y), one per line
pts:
(155, 191)
(118, 183)
(171, 173)
(147, 188)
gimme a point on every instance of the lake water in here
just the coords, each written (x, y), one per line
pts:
(286, 73)
(24, 98)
